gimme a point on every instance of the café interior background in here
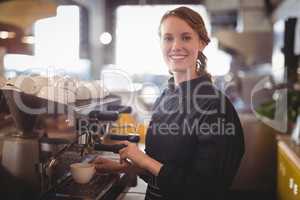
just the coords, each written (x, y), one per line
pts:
(84, 38)
(91, 39)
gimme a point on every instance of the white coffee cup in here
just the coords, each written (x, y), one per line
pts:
(82, 172)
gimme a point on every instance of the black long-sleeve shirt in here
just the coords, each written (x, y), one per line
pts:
(196, 134)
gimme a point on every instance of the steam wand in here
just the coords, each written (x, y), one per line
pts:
(46, 167)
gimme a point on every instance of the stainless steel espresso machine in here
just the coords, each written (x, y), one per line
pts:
(35, 172)
(20, 151)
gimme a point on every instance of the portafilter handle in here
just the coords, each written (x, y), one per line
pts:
(104, 115)
(135, 138)
(115, 148)
(119, 108)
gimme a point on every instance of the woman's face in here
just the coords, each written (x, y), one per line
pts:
(180, 44)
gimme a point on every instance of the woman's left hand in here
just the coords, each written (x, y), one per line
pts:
(134, 154)
(104, 165)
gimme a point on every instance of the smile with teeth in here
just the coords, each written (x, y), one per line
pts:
(178, 57)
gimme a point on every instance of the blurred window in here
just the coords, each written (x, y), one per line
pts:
(56, 48)
(57, 38)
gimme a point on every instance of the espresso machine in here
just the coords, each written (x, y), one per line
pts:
(43, 174)
(20, 150)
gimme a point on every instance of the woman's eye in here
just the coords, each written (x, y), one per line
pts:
(186, 38)
(167, 39)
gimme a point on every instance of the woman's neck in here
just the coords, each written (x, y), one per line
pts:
(180, 77)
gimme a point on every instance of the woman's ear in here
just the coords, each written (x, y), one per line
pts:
(202, 45)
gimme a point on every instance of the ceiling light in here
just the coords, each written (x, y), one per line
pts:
(28, 40)
(105, 38)
(7, 35)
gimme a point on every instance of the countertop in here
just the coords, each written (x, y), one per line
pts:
(289, 146)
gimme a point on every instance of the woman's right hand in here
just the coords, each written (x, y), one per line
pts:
(104, 165)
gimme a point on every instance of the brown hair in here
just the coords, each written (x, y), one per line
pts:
(195, 21)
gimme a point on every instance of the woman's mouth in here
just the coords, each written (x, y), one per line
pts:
(177, 57)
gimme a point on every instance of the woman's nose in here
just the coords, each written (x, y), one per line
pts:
(176, 45)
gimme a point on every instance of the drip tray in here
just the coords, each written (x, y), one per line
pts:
(95, 189)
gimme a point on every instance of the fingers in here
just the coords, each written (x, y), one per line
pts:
(125, 163)
(102, 168)
(123, 142)
(122, 151)
(123, 154)
(124, 158)
(127, 153)
(105, 166)
(112, 167)
(99, 160)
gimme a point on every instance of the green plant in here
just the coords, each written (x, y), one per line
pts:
(267, 109)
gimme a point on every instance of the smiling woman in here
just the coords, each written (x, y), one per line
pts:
(180, 35)
(182, 45)
(194, 142)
